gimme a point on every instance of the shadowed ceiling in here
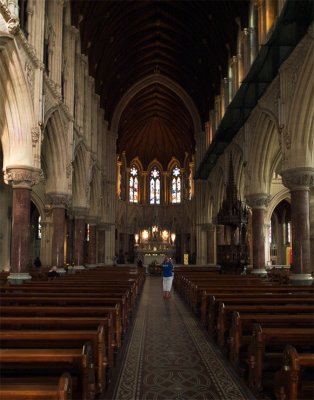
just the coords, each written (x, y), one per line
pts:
(188, 42)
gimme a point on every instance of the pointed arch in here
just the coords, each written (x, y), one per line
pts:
(17, 120)
(54, 154)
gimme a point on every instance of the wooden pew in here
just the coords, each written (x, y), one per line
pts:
(44, 361)
(72, 301)
(226, 310)
(37, 388)
(73, 323)
(62, 339)
(242, 327)
(228, 292)
(294, 381)
(265, 351)
(70, 311)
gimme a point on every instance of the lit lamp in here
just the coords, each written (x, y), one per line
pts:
(165, 235)
(145, 234)
(173, 237)
(136, 237)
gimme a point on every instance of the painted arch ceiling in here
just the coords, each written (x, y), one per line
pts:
(186, 41)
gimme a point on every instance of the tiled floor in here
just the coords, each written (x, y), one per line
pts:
(168, 356)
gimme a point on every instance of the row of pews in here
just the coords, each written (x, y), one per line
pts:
(59, 338)
(265, 328)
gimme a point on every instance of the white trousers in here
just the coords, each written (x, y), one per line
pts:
(167, 283)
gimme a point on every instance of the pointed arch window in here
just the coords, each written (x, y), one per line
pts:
(154, 186)
(176, 185)
(133, 185)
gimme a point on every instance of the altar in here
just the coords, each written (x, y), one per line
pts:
(149, 258)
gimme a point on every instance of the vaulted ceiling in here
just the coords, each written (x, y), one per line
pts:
(188, 42)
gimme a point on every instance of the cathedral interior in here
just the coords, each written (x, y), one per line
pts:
(135, 130)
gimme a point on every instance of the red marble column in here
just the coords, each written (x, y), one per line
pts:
(79, 240)
(258, 202)
(58, 221)
(258, 215)
(92, 244)
(299, 181)
(20, 241)
(220, 234)
(101, 246)
(211, 245)
(300, 219)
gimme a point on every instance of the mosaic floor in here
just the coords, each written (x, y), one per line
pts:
(169, 356)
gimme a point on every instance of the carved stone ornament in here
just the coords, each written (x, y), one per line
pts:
(13, 25)
(22, 176)
(258, 200)
(35, 135)
(298, 178)
(59, 199)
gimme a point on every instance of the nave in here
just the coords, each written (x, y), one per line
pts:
(170, 356)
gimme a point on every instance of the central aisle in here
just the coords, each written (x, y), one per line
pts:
(170, 357)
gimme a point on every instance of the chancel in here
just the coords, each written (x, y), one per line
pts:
(135, 131)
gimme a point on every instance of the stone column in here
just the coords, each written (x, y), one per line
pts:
(258, 202)
(21, 179)
(312, 224)
(299, 181)
(101, 245)
(220, 235)
(79, 237)
(211, 244)
(58, 221)
(91, 258)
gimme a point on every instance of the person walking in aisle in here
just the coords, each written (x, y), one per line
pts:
(167, 273)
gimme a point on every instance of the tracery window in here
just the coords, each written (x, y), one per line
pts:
(154, 185)
(133, 185)
(176, 185)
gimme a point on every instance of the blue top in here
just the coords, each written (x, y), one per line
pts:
(167, 269)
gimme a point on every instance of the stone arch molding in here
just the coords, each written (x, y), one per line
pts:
(18, 128)
(162, 80)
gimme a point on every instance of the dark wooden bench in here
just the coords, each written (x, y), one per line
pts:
(265, 352)
(19, 362)
(295, 379)
(242, 326)
(226, 310)
(73, 323)
(62, 339)
(37, 388)
(69, 311)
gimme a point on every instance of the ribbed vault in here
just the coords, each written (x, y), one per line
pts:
(188, 42)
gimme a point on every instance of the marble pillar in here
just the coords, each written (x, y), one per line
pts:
(79, 239)
(21, 179)
(58, 221)
(20, 242)
(258, 202)
(101, 245)
(211, 244)
(91, 258)
(299, 181)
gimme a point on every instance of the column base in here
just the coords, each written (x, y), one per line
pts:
(61, 271)
(79, 267)
(301, 279)
(259, 271)
(18, 278)
(90, 266)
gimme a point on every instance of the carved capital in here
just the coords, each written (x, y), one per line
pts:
(59, 199)
(80, 212)
(35, 135)
(13, 25)
(91, 220)
(298, 178)
(22, 176)
(258, 200)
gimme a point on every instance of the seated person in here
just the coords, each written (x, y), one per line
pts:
(53, 272)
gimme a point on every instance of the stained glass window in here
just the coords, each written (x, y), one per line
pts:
(39, 228)
(133, 185)
(154, 185)
(190, 184)
(176, 185)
